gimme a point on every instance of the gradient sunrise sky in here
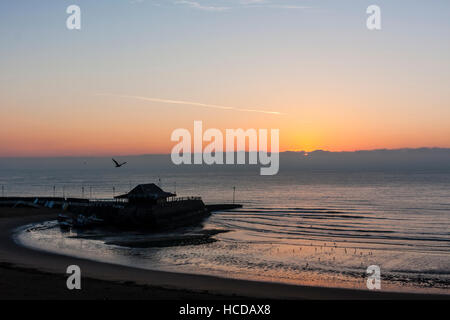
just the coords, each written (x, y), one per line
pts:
(336, 85)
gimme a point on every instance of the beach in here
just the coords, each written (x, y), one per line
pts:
(28, 274)
(33, 274)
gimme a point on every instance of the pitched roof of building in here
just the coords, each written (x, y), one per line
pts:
(146, 191)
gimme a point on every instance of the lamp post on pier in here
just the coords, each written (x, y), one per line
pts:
(234, 193)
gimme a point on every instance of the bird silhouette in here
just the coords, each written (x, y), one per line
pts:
(117, 164)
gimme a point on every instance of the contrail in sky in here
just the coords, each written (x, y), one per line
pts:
(197, 104)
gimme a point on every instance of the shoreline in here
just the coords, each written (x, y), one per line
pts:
(123, 282)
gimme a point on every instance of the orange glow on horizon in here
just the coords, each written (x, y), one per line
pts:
(104, 127)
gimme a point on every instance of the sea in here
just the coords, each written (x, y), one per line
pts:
(306, 227)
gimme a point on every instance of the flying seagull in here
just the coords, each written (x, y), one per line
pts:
(118, 165)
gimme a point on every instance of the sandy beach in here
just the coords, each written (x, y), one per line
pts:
(31, 274)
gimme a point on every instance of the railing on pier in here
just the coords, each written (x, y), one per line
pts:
(109, 200)
(175, 199)
(168, 201)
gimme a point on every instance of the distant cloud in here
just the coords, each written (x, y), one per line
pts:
(197, 104)
(197, 5)
(281, 6)
(273, 4)
(226, 5)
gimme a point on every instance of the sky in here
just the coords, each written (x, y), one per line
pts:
(139, 69)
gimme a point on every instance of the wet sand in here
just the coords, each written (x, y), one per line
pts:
(31, 274)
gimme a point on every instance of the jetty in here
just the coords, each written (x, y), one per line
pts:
(146, 206)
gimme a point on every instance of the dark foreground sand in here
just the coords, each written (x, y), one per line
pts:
(31, 274)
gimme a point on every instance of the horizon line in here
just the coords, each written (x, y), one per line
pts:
(168, 154)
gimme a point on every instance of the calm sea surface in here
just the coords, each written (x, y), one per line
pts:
(313, 228)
